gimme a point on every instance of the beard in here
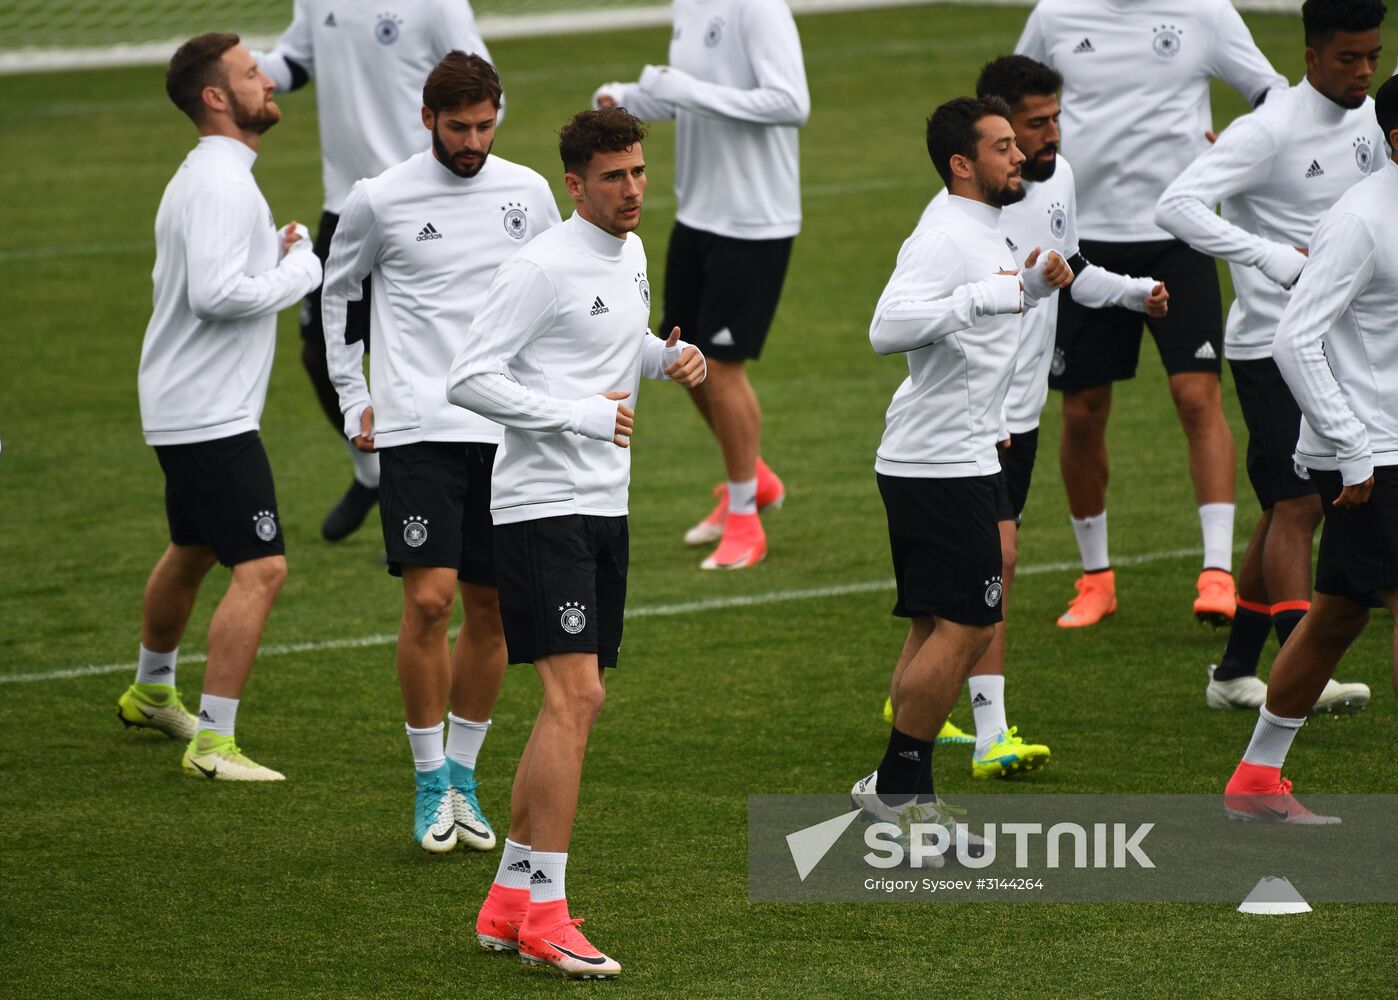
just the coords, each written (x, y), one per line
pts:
(462, 164)
(1004, 195)
(254, 120)
(1035, 169)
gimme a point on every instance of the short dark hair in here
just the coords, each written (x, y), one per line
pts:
(608, 130)
(194, 66)
(460, 80)
(1012, 78)
(1322, 18)
(952, 130)
(1386, 108)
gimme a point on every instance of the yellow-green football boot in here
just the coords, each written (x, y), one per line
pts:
(949, 732)
(218, 758)
(156, 706)
(1009, 756)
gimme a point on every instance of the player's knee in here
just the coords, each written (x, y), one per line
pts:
(1198, 402)
(1009, 556)
(1296, 514)
(265, 575)
(427, 607)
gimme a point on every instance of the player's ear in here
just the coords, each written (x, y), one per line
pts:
(961, 166)
(214, 98)
(1392, 142)
(574, 184)
(428, 118)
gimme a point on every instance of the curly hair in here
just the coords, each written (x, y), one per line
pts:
(1322, 18)
(609, 130)
(952, 130)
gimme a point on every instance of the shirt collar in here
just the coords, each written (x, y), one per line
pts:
(1326, 111)
(442, 174)
(597, 240)
(986, 215)
(229, 146)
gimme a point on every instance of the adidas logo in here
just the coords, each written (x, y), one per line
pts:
(330, 19)
(724, 338)
(911, 755)
(520, 866)
(539, 878)
(598, 307)
(1315, 170)
(980, 701)
(204, 716)
(429, 232)
(159, 671)
(1084, 46)
(1206, 352)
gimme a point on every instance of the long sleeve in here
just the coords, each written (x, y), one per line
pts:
(781, 96)
(292, 60)
(656, 357)
(631, 97)
(1239, 160)
(1238, 61)
(352, 254)
(219, 227)
(1341, 265)
(1031, 40)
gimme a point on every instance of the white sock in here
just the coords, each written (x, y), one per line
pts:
(546, 883)
(157, 668)
(988, 707)
(1091, 533)
(514, 869)
(1216, 520)
(366, 466)
(218, 714)
(427, 747)
(1271, 739)
(464, 739)
(742, 497)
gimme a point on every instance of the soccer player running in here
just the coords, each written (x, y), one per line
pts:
(953, 308)
(1045, 218)
(369, 67)
(1135, 110)
(222, 273)
(556, 355)
(431, 231)
(1337, 352)
(1276, 171)
(736, 87)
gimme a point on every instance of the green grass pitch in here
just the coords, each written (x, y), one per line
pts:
(123, 878)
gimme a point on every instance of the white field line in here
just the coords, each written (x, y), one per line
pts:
(643, 611)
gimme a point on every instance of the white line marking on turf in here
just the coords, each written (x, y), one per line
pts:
(644, 611)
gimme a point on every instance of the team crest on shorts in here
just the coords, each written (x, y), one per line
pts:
(993, 591)
(643, 286)
(264, 522)
(1058, 220)
(386, 30)
(1058, 363)
(415, 532)
(1166, 41)
(1363, 154)
(713, 34)
(516, 222)
(573, 620)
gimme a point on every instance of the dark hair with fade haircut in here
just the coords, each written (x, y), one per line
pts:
(1012, 78)
(1322, 18)
(460, 80)
(194, 66)
(609, 130)
(1386, 107)
(952, 130)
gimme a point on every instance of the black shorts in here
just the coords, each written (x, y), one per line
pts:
(1096, 347)
(220, 494)
(1274, 423)
(434, 502)
(946, 547)
(722, 292)
(563, 586)
(1017, 468)
(356, 313)
(1359, 547)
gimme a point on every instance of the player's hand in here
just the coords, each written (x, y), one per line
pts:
(1212, 137)
(290, 237)
(625, 419)
(689, 369)
(1356, 495)
(1158, 301)
(606, 101)
(364, 440)
(1056, 269)
(1303, 251)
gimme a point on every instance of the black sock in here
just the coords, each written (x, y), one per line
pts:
(906, 769)
(1245, 642)
(1285, 621)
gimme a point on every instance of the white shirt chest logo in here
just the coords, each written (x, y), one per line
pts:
(1058, 220)
(515, 218)
(1166, 40)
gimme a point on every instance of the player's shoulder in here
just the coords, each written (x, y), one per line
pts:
(1270, 122)
(1369, 200)
(509, 172)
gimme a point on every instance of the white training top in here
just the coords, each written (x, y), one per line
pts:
(1276, 171)
(1046, 219)
(220, 279)
(370, 62)
(1337, 346)
(956, 318)
(736, 86)
(1136, 95)
(432, 241)
(564, 321)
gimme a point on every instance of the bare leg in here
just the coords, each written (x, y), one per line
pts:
(1082, 453)
(928, 685)
(1198, 401)
(1308, 659)
(478, 659)
(919, 630)
(170, 594)
(520, 831)
(236, 628)
(1286, 563)
(1252, 574)
(424, 664)
(730, 406)
(993, 660)
(574, 691)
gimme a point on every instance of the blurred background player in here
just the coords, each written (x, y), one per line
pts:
(369, 67)
(1337, 352)
(556, 355)
(1276, 171)
(222, 273)
(953, 308)
(1044, 220)
(736, 87)
(431, 231)
(1135, 109)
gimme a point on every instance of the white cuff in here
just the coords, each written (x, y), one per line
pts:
(352, 419)
(658, 81)
(1138, 290)
(594, 417)
(1356, 470)
(1283, 264)
(1000, 294)
(615, 90)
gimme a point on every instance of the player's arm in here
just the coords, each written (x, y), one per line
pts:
(631, 97)
(520, 306)
(218, 232)
(1098, 288)
(1239, 160)
(915, 311)
(1032, 41)
(781, 96)
(1236, 59)
(1341, 266)
(353, 252)
(672, 360)
(291, 63)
